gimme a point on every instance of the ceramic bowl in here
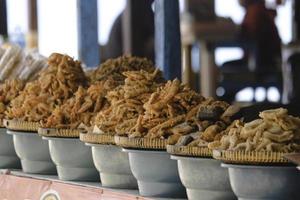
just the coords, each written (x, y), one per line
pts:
(8, 156)
(33, 152)
(205, 178)
(250, 182)
(113, 166)
(73, 159)
(156, 173)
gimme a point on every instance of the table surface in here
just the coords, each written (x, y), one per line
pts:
(31, 185)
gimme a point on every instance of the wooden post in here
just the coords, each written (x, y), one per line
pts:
(207, 70)
(127, 28)
(187, 65)
(167, 38)
(89, 49)
(3, 18)
(32, 35)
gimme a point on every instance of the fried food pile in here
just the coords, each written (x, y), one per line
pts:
(81, 108)
(275, 131)
(87, 102)
(165, 109)
(171, 112)
(55, 85)
(62, 78)
(126, 101)
(9, 90)
(208, 120)
(116, 67)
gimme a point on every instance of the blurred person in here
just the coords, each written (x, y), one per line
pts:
(259, 27)
(259, 38)
(261, 43)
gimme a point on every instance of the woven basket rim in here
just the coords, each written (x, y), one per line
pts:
(202, 152)
(141, 143)
(96, 138)
(21, 125)
(250, 157)
(2, 123)
(59, 132)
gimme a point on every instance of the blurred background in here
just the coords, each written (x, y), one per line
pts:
(237, 50)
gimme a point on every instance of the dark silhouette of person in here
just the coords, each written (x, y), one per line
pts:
(261, 43)
(259, 39)
(258, 27)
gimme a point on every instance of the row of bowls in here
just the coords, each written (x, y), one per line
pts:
(154, 173)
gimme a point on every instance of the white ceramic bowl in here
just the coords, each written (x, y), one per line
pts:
(156, 173)
(33, 152)
(204, 178)
(73, 159)
(250, 182)
(113, 166)
(8, 156)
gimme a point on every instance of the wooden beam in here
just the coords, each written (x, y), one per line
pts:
(208, 70)
(89, 49)
(127, 28)
(32, 15)
(167, 38)
(32, 35)
(187, 71)
(3, 18)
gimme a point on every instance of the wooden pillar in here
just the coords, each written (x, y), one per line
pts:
(89, 49)
(187, 65)
(207, 70)
(127, 28)
(3, 18)
(32, 35)
(167, 38)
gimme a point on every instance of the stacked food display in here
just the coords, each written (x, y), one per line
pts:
(202, 175)
(124, 105)
(9, 90)
(137, 130)
(35, 104)
(253, 153)
(16, 67)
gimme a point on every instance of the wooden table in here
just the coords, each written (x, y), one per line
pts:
(206, 33)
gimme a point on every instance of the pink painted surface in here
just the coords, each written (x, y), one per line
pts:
(20, 188)
(24, 188)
